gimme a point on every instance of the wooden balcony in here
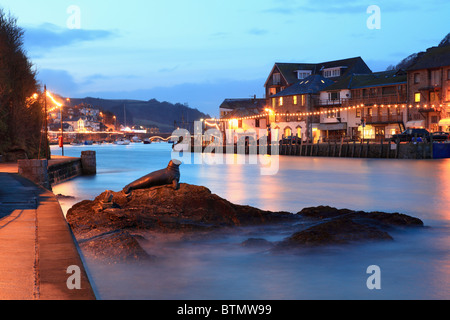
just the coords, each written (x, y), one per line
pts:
(378, 100)
(375, 119)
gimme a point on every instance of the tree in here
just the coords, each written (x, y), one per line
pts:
(21, 116)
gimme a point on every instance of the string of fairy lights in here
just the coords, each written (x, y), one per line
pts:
(270, 112)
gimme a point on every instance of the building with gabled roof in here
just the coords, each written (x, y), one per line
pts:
(284, 75)
(429, 88)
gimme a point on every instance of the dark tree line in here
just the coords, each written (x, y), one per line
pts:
(21, 112)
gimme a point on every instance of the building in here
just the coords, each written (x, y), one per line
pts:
(283, 75)
(429, 89)
(293, 91)
(365, 106)
(248, 111)
(294, 108)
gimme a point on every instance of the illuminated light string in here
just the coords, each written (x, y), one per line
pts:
(316, 113)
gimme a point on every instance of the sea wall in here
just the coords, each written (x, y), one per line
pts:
(64, 171)
(48, 175)
(388, 150)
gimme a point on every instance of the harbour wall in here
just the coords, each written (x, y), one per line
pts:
(49, 173)
(387, 150)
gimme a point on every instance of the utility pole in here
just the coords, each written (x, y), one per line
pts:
(62, 131)
(47, 155)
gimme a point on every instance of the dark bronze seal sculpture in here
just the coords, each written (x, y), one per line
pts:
(169, 175)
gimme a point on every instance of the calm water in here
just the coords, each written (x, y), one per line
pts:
(415, 266)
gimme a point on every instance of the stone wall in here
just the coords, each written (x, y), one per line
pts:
(47, 176)
(64, 171)
(36, 171)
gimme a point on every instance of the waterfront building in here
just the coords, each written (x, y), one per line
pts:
(429, 89)
(365, 106)
(293, 94)
(248, 111)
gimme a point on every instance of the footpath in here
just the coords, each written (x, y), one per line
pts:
(39, 258)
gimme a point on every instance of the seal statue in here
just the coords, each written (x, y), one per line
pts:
(169, 175)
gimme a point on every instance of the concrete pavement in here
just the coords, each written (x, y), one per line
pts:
(36, 244)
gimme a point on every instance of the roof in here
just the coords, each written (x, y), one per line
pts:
(312, 84)
(434, 57)
(351, 65)
(243, 103)
(375, 79)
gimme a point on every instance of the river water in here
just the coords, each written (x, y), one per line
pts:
(415, 266)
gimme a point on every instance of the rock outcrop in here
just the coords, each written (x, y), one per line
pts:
(111, 226)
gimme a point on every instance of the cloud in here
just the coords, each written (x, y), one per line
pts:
(338, 7)
(49, 36)
(58, 81)
(258, 32)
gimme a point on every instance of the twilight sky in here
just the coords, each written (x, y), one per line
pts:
(204, 51)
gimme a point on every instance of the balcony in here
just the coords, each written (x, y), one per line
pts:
(332, 103)
(374, 119)
(379, 100)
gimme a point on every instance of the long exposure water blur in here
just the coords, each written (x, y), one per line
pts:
(415, 266)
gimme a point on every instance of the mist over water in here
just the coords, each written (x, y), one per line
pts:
(415, 266)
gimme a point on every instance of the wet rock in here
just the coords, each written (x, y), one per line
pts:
(336, 231)
(256, 243)
(160, 209)
(118, 246)
(106, 225)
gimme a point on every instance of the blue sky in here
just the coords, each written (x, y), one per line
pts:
(203, 51)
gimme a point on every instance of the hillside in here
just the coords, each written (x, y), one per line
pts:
(413, 58)
(146, 113)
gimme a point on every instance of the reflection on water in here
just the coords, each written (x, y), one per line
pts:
(415, 266)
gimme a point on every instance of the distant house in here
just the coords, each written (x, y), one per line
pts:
(429, 89)
(247, 111)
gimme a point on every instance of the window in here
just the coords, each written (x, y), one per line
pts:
(448, 74)
(303, 99)
(434, 119)
(434, 97)
(358, 113)
(295, 99)
(302, 74)
(280, 102)
(274, 103)
(416, 78)
(332, 72)
(369, 112)
(333, 95)
(436, 77)
(240, 124)
(276, 78)
(417, 97)
(287, 132)
(257, 124)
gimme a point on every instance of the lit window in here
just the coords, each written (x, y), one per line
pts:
(295, 100)
(273, 103)
(417, 97)
(280, 102)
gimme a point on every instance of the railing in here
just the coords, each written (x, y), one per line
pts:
(331, 102)
(384, 118)
(379, 100)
